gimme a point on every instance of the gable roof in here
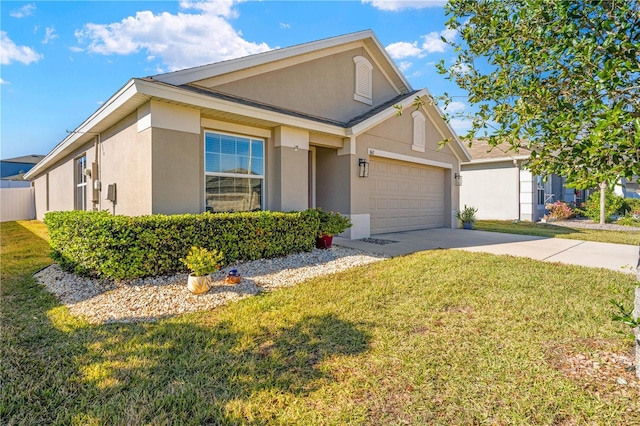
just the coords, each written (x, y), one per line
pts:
(174, 87)
(482, 152)
(366, 37)
(26, 159)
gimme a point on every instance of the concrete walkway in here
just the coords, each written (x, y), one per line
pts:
(617, 257)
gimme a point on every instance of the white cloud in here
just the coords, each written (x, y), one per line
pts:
(50, 34)
(405, 65)
(215, 7)
(23, 12)
(460, 126)
(403, 49)
(396, 5)
(431, 43)
(455, 106)
(461, 68)
(2, 82)
(179, 41)
(284, 26)
(10, 52)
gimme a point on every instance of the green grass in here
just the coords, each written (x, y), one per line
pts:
(438, 337)
(555, 231)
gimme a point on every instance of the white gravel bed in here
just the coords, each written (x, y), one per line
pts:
(148, 299)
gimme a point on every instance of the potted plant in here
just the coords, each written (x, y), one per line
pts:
(467, 216)
(330, 224)
(202, 262)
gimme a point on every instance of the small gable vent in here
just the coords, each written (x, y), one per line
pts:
(363, 80)
(419, 131)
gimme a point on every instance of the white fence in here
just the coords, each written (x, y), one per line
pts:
(17, 204)
(4, 183)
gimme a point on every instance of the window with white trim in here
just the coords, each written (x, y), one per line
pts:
(540, 190)
(234, 172)
(419, 122)
(80, 179)
(364, 83)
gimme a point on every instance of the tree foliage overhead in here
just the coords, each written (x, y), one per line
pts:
(560, 77)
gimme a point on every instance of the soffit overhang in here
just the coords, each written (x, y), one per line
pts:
(137, 92)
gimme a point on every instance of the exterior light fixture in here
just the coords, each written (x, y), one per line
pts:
(363, 168)
(458, 179)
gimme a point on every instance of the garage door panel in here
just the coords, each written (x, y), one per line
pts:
(405, 196)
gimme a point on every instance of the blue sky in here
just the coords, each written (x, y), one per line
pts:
(61, 60)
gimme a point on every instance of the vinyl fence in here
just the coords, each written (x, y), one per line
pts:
(17, 204)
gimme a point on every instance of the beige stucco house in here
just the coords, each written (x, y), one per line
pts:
(313, 125)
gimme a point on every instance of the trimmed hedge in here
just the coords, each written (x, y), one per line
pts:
(125, 247)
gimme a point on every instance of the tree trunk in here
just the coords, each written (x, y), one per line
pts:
(636, 315)
(603, 189)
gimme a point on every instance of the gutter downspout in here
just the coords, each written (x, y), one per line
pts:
(518, 204)
(95, 173)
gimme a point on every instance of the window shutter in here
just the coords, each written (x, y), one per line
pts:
(419, 131)
(363, 80)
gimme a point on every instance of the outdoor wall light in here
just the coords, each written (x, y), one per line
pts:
(458, 179)
(363, 168)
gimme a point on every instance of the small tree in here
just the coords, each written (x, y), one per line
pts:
(559, 77)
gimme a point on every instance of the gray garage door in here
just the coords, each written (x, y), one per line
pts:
(405, 196)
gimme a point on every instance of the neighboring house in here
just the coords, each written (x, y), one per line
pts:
(283, 130)
(628, 188)
(496, 183)
(12, 170)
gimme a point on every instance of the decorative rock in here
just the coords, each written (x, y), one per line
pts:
(149, 299)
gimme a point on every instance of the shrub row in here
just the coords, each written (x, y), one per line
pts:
(614, 206)
(123, 247)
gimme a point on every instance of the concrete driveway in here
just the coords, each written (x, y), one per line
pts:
(617, 257)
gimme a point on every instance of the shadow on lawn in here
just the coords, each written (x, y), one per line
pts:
(176, 373)
(183, 373)
(188, 370)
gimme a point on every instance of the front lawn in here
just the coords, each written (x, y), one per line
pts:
(554, 231)
(438, 337)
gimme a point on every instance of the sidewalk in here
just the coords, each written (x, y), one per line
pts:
(617, 257)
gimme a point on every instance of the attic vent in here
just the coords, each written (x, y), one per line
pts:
(363, 92)
(418, 131)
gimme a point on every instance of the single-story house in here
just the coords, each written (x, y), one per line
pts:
(312, 125)
(497, 184)
(12, 170)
